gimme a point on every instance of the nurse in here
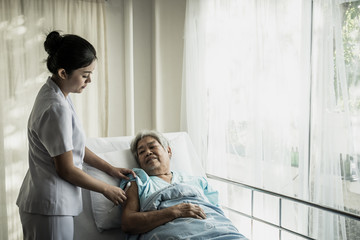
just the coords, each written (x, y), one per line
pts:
(50, 195)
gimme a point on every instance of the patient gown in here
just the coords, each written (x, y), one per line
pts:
(147, 185)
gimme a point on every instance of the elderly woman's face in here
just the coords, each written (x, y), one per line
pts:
(153, 158)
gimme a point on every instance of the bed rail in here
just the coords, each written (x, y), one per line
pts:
(281, 197)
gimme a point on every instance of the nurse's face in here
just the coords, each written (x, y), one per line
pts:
(79, 78)
(75, 82)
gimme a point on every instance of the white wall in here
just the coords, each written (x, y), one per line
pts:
(157, 28)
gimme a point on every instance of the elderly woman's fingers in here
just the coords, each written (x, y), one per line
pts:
(202, 213)
(192, 210)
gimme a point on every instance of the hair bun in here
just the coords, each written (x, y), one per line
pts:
(52, 42)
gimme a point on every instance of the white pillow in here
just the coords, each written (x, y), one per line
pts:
(105, 216)
(184, 159)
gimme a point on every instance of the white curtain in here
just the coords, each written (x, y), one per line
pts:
(23, 27)
(245, 94)
(136, 85)
(335, 116)
(247, 101)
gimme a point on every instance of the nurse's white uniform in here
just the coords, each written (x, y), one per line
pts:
(53, 129)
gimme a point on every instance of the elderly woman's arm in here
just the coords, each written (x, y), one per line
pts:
(136, 222)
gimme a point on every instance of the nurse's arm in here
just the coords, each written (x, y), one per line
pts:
(95, 161)
(66, 169)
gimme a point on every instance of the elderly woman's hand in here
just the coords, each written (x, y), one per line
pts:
(121, 172)
(184, 210)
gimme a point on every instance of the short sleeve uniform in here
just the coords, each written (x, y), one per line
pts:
(53, 129)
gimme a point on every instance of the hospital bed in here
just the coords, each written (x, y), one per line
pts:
(99, 220)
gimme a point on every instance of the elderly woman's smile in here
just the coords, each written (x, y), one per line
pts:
(153, 157)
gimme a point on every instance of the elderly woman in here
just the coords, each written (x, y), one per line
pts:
(153, 154)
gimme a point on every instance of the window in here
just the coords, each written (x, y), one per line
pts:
(281, 106)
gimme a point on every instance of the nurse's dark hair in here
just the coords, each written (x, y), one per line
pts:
(68, 51)
(147, 133)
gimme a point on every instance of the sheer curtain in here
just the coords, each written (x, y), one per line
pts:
(23, 26)
(335, 116)
(252, 105)
(246, 93)
(244, 77)
(135, 86)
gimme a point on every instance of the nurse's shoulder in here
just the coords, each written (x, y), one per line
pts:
(49, 103)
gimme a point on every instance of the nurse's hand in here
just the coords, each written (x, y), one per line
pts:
(121, 172)
(114, 194)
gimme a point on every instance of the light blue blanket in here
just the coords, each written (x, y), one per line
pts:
(215, 226)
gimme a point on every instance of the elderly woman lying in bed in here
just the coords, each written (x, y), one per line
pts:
(169, 205)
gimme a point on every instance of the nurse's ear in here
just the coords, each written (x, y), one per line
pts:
(62, 73)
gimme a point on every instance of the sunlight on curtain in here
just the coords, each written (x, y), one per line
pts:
(23, 25)
(247, 104)
(335, 116)
(256, 97)
(249, 74)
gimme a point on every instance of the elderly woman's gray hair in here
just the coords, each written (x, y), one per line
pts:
(147, 133)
